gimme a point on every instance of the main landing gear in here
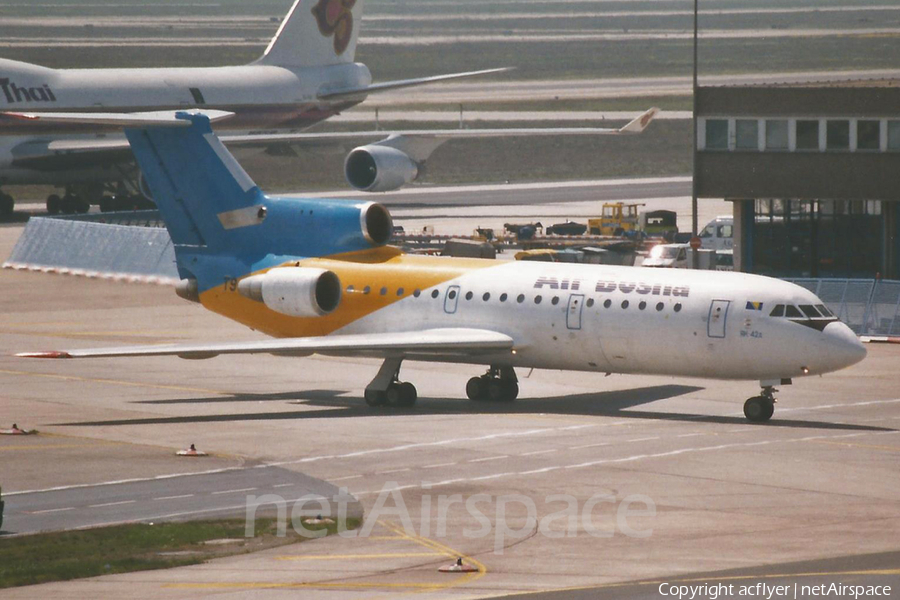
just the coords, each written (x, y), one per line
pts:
(499, 384)
(386, 388)
(110, 198)
(7, 204)
(760, 409)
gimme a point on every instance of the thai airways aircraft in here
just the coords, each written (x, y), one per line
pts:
(306, 75)
(318, 276)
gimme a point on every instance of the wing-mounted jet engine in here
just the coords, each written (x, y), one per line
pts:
(389, 164)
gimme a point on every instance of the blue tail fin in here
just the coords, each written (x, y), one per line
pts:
(200, 189)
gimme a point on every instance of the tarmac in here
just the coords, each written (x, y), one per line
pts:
(585, 481)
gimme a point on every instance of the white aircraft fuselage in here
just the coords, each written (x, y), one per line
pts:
(259, 95)
(608, 318)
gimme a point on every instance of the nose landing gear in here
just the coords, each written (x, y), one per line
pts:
(499, 384)
(760, 409)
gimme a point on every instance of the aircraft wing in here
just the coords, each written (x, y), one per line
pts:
(351, 93)
(67, 153)
(439, 342)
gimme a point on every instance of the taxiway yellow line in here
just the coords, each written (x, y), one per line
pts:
(296, 585)
(437, 549)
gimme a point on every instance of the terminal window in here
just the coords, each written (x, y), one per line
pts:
(746, 134)
(823, 238)
(717, 134)
(893, 135)
(868, 135)
(777, 134)
(807, 135)
(837, 135)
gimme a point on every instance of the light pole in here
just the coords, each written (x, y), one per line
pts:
(694, 219)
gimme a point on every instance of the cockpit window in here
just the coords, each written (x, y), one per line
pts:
(816, 317)
(810, 311)
(824, 310)
(791, 312)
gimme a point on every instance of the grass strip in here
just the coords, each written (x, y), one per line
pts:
(66, 555)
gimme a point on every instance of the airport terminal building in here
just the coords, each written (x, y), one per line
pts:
(813, 172)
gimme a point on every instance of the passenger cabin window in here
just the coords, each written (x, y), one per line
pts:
(807, 135)
(717, 134)
(837, 135)
(868, 135)
(777, 134)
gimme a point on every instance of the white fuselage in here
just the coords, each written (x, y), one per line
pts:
(632, 320)
(260, 96)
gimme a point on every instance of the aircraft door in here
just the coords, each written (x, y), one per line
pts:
(451, 299)
(573, 312)
(718, 314)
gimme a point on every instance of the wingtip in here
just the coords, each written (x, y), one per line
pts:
(20, 116)
(49, 354)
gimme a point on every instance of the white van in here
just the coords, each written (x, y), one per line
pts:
(718, 234)
(678, 256)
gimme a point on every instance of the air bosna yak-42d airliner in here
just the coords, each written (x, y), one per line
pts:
(317, 275)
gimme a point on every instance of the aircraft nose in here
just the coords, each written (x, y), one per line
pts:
(844, 346)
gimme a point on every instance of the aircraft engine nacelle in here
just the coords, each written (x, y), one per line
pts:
(295, 291)
(377, 168)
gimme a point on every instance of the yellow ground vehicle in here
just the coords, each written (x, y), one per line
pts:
(617, 218)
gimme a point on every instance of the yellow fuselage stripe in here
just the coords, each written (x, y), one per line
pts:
(387, 268)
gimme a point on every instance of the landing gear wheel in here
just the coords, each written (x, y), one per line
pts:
(511, 390)
(54, 204)
(374, 398)
(476, 389)
(69, 204)
(406, 394)
(758, 409)
(496, 390)
(7, 204)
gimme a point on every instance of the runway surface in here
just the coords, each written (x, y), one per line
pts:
(675, 481)
(168, 497)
